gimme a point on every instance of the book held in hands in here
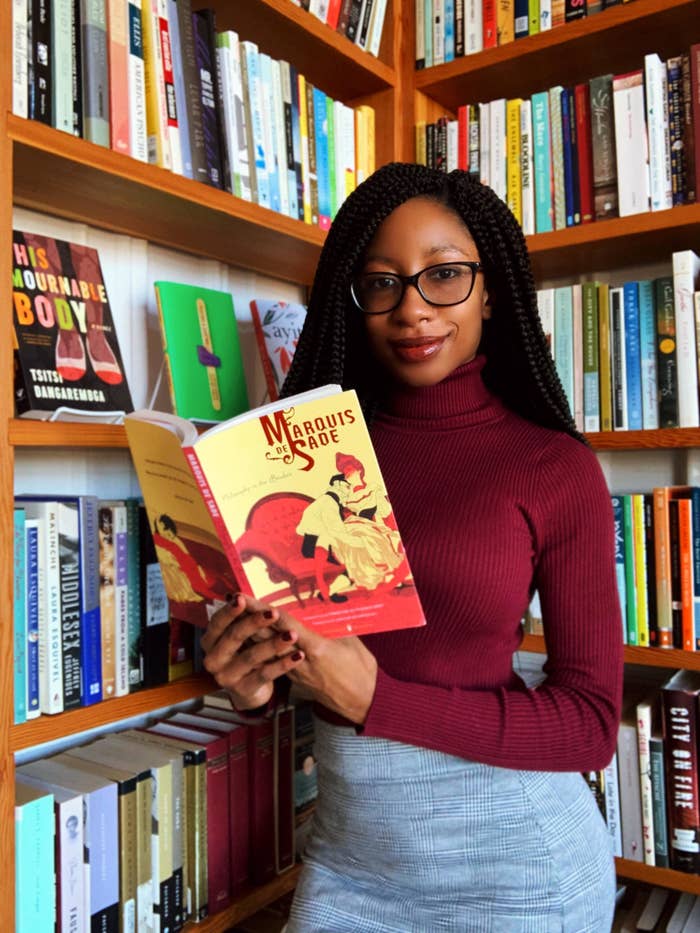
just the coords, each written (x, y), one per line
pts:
(285, 502)
(66, 350)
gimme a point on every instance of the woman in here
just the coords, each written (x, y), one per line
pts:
(450, 794)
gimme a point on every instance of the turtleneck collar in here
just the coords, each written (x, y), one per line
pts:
(462, 397)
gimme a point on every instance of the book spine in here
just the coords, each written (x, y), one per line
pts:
(154, 81)
(567, 148)
(170, 116)
(605, 197)
(20, 95)
(542, 152)
(138, 135)
(663, 567)
(686, 266)
(284, 789)
(674, 77)
(69, 573)
(288, 118)
(280, 138)
(612, 806)
(574, 9)
(527, 169)
(514, 179)
(675, 554)
(133, 588)
(692, 122)
(630, 569)
(35, 868)
(107, 601)
(297, 140)
(505, 21)
(650, 556)
(239, 798)
(62, 65)
(563, 340)
(313, 164)
(630, 801)
(95, 75)
(224, 536)
(655, 88)
(658, 790)
(269, 136)
(50, 653)
(33, 531)
(521, 19)
(685, 548)
(227, 103)
(485, 144)
(591, 376)
(498, 148)
(633, 356)
(77, 69)
(322, 159)
(90, 631)
(218, 858)
(121, 599)
(640, 570)
(19, 610)
(695, 499)
(618, 364)
(645, 788)
(261, 788)
(582, 106)
(102, 843)
(577, 333)
(249, 51)
(666, 361)
(557, 146)
(180, 97)
(680, 737)
(192, 88)
(118, 67)
(620, 576)
(630, 143)
(604, 356)
(42, 54)
(647, 340)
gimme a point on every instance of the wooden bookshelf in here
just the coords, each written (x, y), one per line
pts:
(662, 439)
(672, 658)
(245, 905)
(662, 877)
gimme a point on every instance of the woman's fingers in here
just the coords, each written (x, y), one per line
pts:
(221, 620)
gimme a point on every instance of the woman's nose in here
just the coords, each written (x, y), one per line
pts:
(412, 305)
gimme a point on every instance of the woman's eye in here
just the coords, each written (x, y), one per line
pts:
(445, 273)
(379, 283)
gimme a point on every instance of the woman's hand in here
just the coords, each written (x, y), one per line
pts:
(339, 673)
(244, 654)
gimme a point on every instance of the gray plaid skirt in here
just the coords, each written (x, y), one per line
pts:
(408, 840)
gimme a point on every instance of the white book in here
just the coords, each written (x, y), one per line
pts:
(280, 140)
(564, 340)
(62, 64)
(225, 71)
(631, 147)
(452, 144)
(438, 32)
(545, 15)
(360, 18)
(348, 146)
(20, 97)
(257, 129)
(527, 168)
(655, 87)
(686, 279)
(692, 923)
(545, 307)
(50, 635)
(497, 148)
(644, 715)
(680, 914)
(612, 806)
(138, 137)
(420, 33)
(70, 868)
(266, 105)
(577, 333)
(240, 143)
(473, 27)
(650, 916)
(485, 144)
(376, 28)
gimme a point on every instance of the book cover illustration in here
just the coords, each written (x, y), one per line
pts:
(202, 352)
(66, 348)
(277, 326)
(288, 504)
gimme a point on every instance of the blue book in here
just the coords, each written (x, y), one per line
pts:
(569, 180)
(564, 340)
(449, 27)
(32, 533)
(521, 17)
(35, 866)
(647, 342)
(269, 128)
(619, 524)
(541, 159)
(633, 357)
(252, 65)
(180, 95)
(323, 175)
(333, 174)
(20, 617)
(296, 140)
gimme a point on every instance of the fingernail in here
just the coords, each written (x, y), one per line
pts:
(286, 636)
(297, 656)
(268, 614)
(232, 597)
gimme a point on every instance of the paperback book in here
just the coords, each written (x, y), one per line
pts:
(66, 350)
(285, 502)
(277, 327)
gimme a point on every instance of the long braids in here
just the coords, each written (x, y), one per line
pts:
(333, 347)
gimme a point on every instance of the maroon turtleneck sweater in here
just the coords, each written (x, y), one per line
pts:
(490, 507)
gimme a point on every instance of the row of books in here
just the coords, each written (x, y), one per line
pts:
(159, 83)
(164, 824)
(649, 793)
(613, 146)
(360, 21)
(448, 29)
(91, 618)
(627, 355)
(650, 909)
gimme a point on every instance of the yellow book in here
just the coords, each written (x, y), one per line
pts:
(304, 132)
(154, 80)
(421, 155)
(640, 570)
(604, 359)
(285, 502)
(513, 173)
(364, 142)
(505, 21)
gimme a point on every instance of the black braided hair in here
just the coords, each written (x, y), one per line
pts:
(333, 347)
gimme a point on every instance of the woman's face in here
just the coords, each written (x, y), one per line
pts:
(420, 344)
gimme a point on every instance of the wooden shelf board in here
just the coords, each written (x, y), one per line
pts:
(288, 32)
(661, 877)
(49, 728)
(247, 904)
(26, 432)
(60, 174)
(645, 440)
(567, 54)
(647, 657)
(609, 244)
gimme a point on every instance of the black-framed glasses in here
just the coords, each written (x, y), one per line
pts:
(447, 283)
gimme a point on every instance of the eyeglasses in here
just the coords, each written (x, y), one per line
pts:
(449, 283)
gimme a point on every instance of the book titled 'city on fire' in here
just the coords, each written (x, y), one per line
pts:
(286, 503)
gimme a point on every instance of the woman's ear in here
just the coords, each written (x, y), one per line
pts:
(485, 305)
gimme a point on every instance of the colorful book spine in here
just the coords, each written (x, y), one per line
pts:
(666, 362)
(249, 53)
(557, 149)
(618, 361)
(680, 727)
(19, 610)
(192, 87)
(32, 527)
(658, 790)
(513, 176)
(674, 89)
(62, 12)
(619, 524)
(604, 358)
(570, 180)
(527, 169)
(647, 344)
(633, 365)
(34, 863)
(640, 570)
(644, 718)
(178, 74)
(70, 600)
(630, 569)
(543, 180)
(630, 143)
(133, 586)
(582, 108)
(118, 63)
(322, 158)
(95, 74)
(138, 134)
(591, 356)
(154, 80)
(605, 197)
(656, 98)
(205, 54)
(564, 341)
(686, 276)
(269, 134)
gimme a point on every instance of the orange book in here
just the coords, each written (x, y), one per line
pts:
(662, 560)
(685, 536)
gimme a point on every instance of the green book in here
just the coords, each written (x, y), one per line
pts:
(202, 352)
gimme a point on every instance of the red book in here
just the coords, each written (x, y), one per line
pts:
(694, 123)
(680, 727)
(229, 723)
(333, 13)
(463, 138)
(489, 24)
(284, 789)
(582, 106)
(218, 858)
(261, 784)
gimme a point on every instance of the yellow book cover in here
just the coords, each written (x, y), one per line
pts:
(640, 570)
(421, 155)
(154, 79)
(365, 159)
(304, 133)
(513, 176)
(505, 21)
(287, 503)
(605, 375)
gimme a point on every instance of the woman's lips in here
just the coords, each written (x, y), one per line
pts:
(415, 351)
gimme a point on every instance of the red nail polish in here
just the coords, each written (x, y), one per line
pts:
(286, 636)
(268, 614)
(297, 656)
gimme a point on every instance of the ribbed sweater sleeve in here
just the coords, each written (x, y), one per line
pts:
(569, 722)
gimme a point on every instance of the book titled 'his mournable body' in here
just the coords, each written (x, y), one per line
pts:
(286, 503)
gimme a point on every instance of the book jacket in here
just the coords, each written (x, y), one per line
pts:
(277, 326)
(66, 349)
(285, 503)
